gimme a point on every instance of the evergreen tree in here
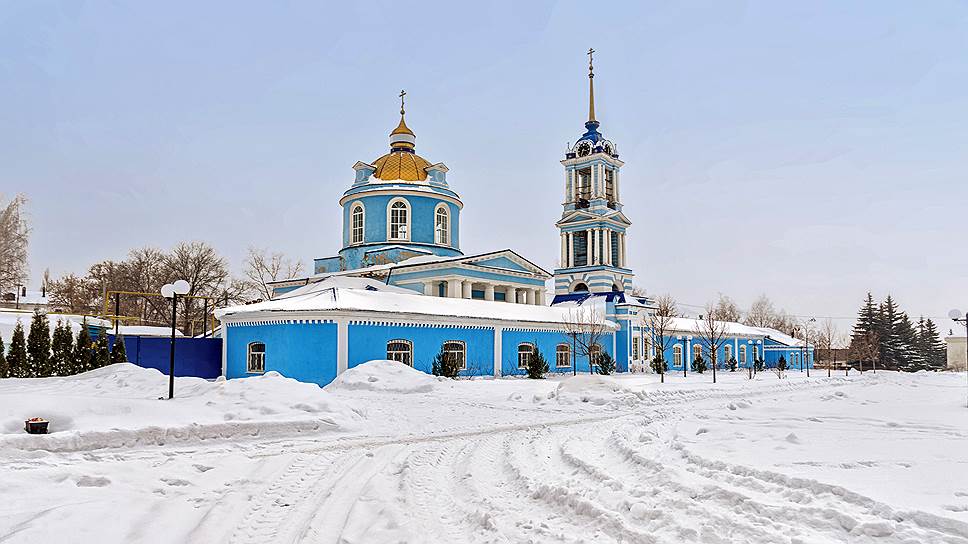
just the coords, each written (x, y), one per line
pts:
(699, 364)
(83, 352)
(17, 358)
(781, 366)
(866, 327)
(444, 365)
(935, 353)
(38, 346)
(910, 357)
(892, 345)
(102, 353)
(62, 347)
(731, 364)
(4, 371)
(605, 364)
(118, 354)
(537, 365)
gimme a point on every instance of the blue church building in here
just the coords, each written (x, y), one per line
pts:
(400, 287)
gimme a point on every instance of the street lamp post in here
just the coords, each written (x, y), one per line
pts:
(806, 344)
(172, 290)
(959, 317)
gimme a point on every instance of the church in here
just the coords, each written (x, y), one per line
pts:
(400, 287)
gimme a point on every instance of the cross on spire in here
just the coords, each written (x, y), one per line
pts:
(591, 87)
(402, 94)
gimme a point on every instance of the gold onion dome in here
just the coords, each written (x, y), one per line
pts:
(401, 162)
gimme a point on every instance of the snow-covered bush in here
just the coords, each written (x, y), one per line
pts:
(537, 365)
(699, 364)
(605, 364)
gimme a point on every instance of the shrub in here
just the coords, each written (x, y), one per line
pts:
(444, 365)
(658, 365)
(699, 364)
(731, 364)
(781, 364)
(537, 365)
(606, 365)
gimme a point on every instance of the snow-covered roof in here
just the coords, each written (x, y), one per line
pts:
(693, 326)
(368, 295)
(32, 297)
(145, 330)
(9, 318)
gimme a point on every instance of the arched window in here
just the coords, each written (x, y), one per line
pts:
(525, 353)
(727, 353)
(357, 224)
(594, 352)
(563, 356)
(442, 225)
(696, 351)
(456, 350)
(399, 220)
(742, 354)
(400, 351)
(580, 288)
(635, 348)
(256, 358)
(677, 355)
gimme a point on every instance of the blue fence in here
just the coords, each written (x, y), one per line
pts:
(198, 357)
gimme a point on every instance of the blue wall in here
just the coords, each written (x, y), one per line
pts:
(422, 210)
(198, 357)
(547, 343)
(368, 342)
(303, 351)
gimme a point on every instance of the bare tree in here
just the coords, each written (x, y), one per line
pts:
(712, 334)
(585, 327)
(827, 338)
(261, 268)
(660, 328)
(726, 309)
(14, 237)
(761, 314)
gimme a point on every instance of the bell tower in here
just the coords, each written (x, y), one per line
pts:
(592, 224)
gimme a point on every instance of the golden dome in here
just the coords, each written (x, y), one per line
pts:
(402, 128)
(403, 165)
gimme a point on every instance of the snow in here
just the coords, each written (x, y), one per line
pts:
(384, 376)
(862, 459)
(145, 330)
(121, 406)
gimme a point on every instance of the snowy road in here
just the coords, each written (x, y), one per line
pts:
(521, 461)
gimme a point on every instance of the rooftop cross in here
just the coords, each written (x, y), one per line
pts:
(591, 87)
(402, 94)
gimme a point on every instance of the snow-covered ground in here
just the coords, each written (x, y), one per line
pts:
(386, 454)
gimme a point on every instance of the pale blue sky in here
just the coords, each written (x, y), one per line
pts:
(808, 150)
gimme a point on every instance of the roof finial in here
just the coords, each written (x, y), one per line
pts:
(402, 138)
(591, 86)
(403, 93)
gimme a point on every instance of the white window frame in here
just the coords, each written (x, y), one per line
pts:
(676, 355)
(523, 361)
(407, 220)
(696, 350)
(742, 355)
(559, 353)
(362, 226)
(594, 352)
(442, 231)
(460, 353)
(635, 348)
(727, 353)
(251, 355)
(401, 356)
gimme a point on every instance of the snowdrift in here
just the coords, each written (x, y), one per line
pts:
(385, 377)
(120, 406)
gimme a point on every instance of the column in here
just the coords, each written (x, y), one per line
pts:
(529, 296)
(541, 297)
(570, 256)
(466, 290)
(687, 356)
(489, 291)
(453, 288)
(564, 250)
(608, 247)
(621, 249)
(429, 288)
(590, 243)
(498, 332)
(511, 294)
(342, 345)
